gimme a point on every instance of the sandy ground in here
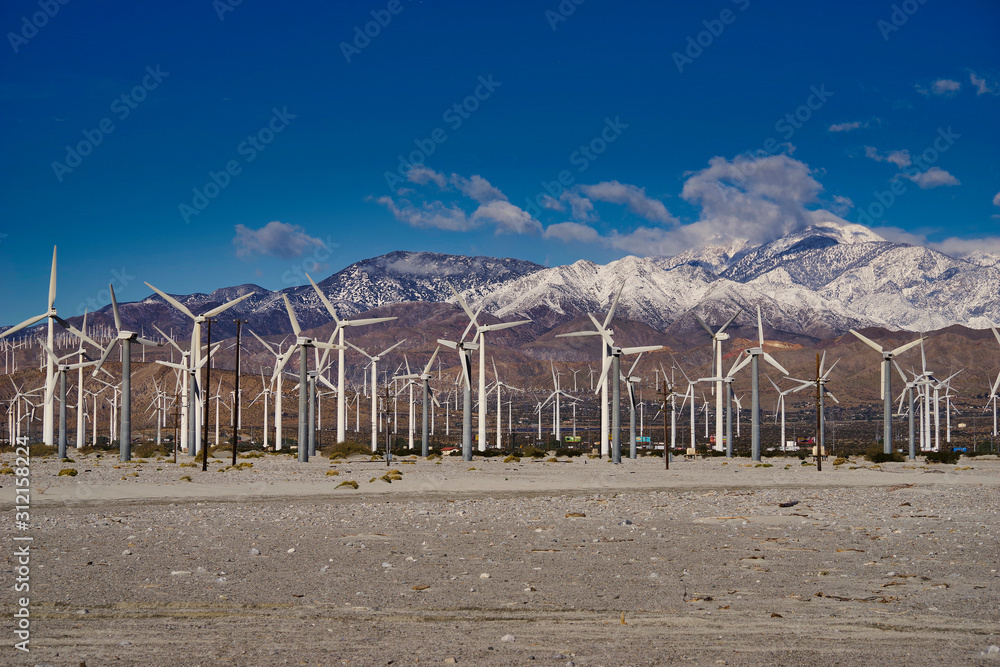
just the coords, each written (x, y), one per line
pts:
(553, 563)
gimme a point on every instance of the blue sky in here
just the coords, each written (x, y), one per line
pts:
(202, 144)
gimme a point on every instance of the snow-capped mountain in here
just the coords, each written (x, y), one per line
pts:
(814, 283)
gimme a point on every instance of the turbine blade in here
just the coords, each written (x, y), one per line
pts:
(634, 363)
(368, 320)
(503, 325)
(262, 342)
(104, 357)
(704, 326)
(172, 301)
(326, 302)
(27, 323)
(739, 365)
(769, 359)
(291, 316)
(904, 348)
(604, 372)
(641, 348)
(427, 368)
(52, 280)
(869, 342)
(114, 309)
(614, 305)
(226, 306)
(760, 329)
(77, 332)
(390, 348)
(729, 321)
(881, 381)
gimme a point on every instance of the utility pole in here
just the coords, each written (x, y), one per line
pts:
(206, 404)
(236, 392)
(819, 417)
(666, 443)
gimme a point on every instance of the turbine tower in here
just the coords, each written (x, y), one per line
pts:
(717, 338)
(754, 354)
(885, 386)
(374, 364)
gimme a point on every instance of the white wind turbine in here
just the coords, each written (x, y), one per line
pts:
(754, 353)
(62, 369)
(498, 383)
(125, 338)
(601, 331)
(341, 325)
(189, 380)
(197, 410)
(822, 377)
(717, 338)
(885, 383)
(303, 343)
(727, 382)
(464, 348)
(374, 359)
(481, 331)
(48, 422)
(781, 407)
(613, 363)
(275, 377)
(425, 379)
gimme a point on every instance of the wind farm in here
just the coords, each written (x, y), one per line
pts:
(570, 333)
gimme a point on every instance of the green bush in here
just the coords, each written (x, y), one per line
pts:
(40, 450)
(944, 456)
(876, 455)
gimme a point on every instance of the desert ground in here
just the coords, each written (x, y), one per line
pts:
(569, 562)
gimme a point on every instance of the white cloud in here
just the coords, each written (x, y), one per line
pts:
(277, 239)
(431, 215)
(477, 188)
(996, 199)
(941, 88)
(552, 203)
(847, 127)
(632, 196)
(983, 86)
(934, 177)
(572, 231)
(582, 208)
(899, 158)
(841, 204)
(422, 175)
(508, 218)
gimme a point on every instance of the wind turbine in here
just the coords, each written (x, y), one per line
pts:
(717, 338)
(125, 339)
(62, 369)
(602, 386)
(374, 364)
(822, 377)
(481, 331)
(275, 376)
(464, 347)
(630, 382)
(781, 407)
(303, 343)
(48, 423)
(886, 383)
(614, 364)
(754, 354)
(341, 325)
(425, 378)
(197, 410)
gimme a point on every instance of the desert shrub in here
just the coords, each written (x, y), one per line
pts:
(148, 450)
(40, 450)
(346, 448)
(944, 456)
(531, 451)
(68, 472)
(876, 455)
(512, 459)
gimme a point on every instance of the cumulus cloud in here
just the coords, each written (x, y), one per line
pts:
(841, 204)
(847, 127)
(934, 177)
(422, 175)
(477, 188)
(941, 88)
(277, 239)
(631, 196)
(581, 207)
(508, 218)
(572, 231)
(984, 86)
(899, 158)
(430, 215)
(552, 203)
(996, 199)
